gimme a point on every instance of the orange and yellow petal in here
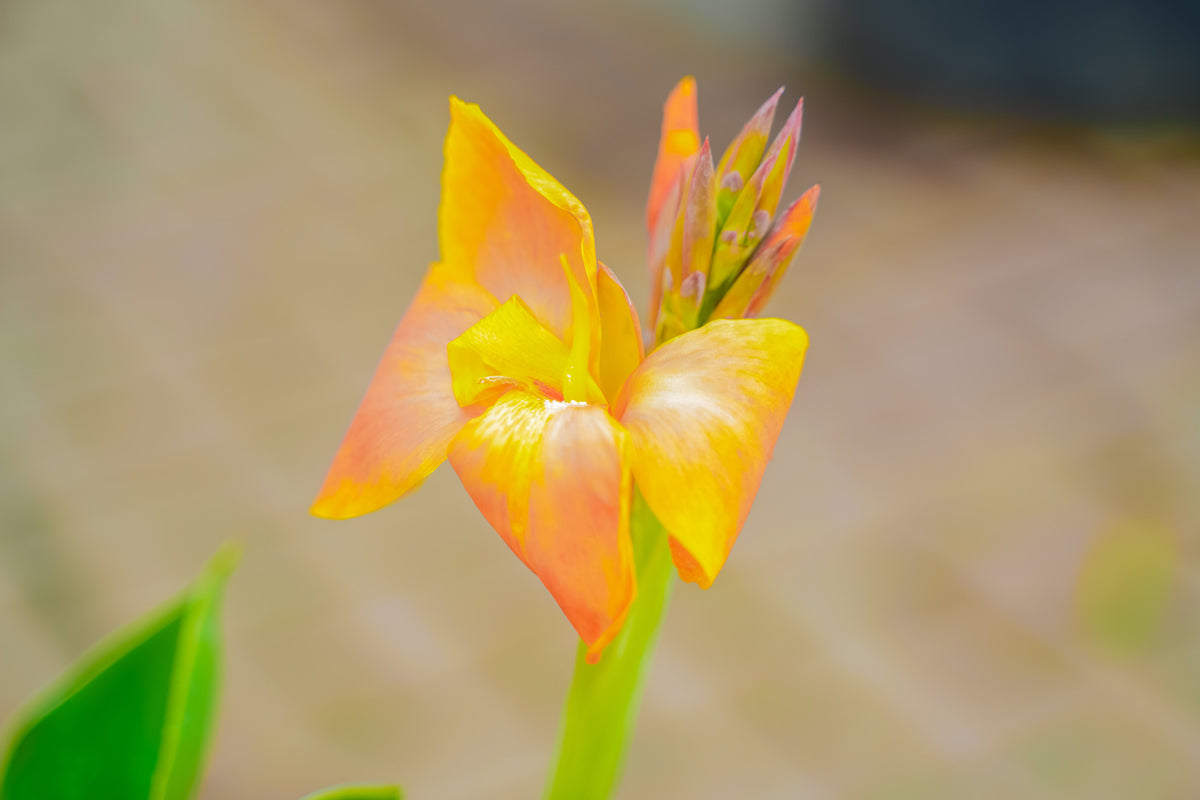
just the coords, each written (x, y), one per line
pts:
(409, 415)
(680, 140)
(578, 539)
(552, 479)
(493, 456)
(703, 413)
(621, 346)
(677, 147)
(506, 221)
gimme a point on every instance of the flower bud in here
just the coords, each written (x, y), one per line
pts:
(699, 215)
(716, 246)
(691, 247)
(757, 282)
(752, 210)
(740, 235)
(744, 154)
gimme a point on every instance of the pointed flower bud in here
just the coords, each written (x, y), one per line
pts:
(660, 246)
(699, 215)
(669, 322)
(744, 153)
(757, 282)
(783, 149)
(754, 207)
(691, 247)
(740, 233)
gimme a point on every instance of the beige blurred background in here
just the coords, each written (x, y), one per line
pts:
(973, 569)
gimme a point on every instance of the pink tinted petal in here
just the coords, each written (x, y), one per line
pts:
(552, 479)
(409, 414)
(578, 541)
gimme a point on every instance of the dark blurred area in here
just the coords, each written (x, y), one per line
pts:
(973, 568)
(1105, 61)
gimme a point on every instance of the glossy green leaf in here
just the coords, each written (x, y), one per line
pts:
(131, 719)
(357, 793)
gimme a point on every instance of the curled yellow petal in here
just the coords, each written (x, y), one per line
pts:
(621, 345)
(703, 413)
(576, 374)
(506, 349)
(510, 349)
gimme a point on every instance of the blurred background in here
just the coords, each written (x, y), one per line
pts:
(973, 569)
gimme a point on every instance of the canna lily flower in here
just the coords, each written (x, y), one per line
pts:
(521, 361)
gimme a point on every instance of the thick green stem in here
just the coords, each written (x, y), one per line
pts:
(602, 706)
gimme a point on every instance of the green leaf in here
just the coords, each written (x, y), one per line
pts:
(357, 793)
(131, 719)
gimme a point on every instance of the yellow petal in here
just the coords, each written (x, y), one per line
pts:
(409, 415)
(577, 376)
(505, 221)
(506, 349)
(703, 413)
(621, 346)
(552, 479)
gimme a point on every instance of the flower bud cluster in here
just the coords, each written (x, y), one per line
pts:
(718, 243)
